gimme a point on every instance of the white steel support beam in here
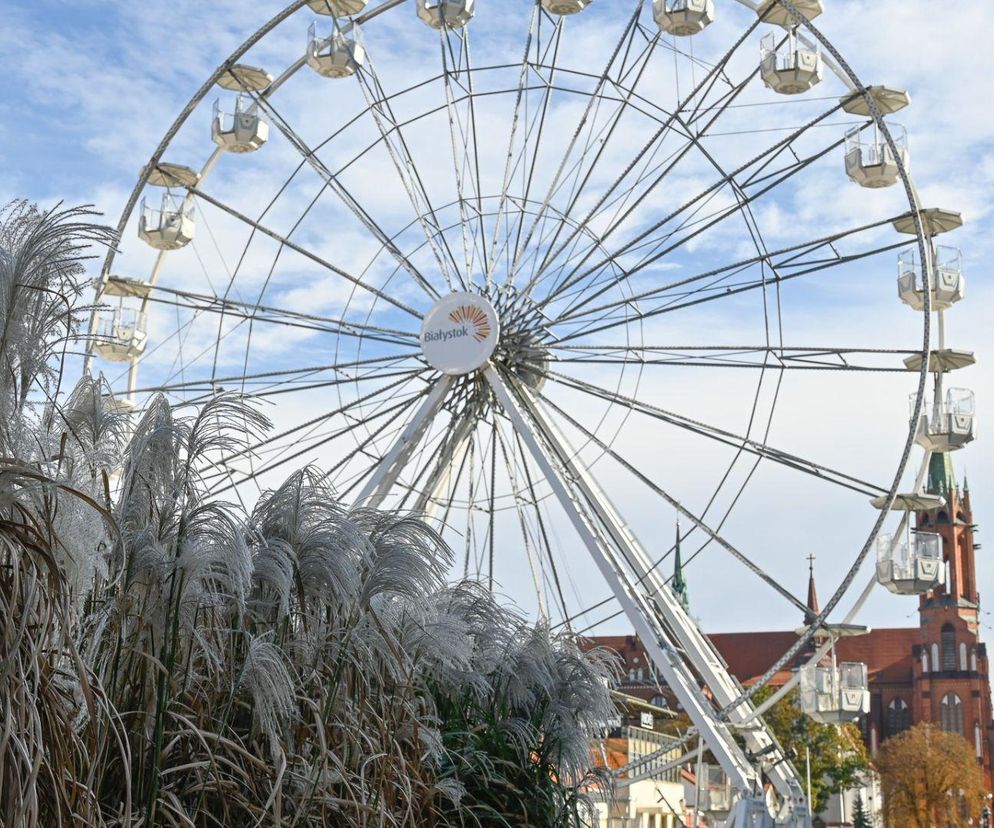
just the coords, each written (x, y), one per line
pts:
(669, 613)
(393, 462)
(633, 600)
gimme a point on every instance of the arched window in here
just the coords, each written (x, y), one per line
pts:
(638, 674)
(973, 659)
(962, 656)
(935, 657)
(948, 647)
(898, 717)
(977, 741)
(924, 660)
(951, 711)
(659, 701)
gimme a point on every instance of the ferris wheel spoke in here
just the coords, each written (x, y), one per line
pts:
(780, 261)
(758, 448)
(715, 293)
(443, 468)
(210, 389)
(303, 251)
(392, 137)
(501, 215)
(661, 246)
(694, 102)
(581, 172)
(390, 389)
(661, 559)
(457, 66)
(520, 503)
(678, 506)
(717, 289)
(540, 524)
(335, 185)
(390, 412)
(594, 101)
(778, 357)
(205, 303)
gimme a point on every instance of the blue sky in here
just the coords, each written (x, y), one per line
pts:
(92, 86)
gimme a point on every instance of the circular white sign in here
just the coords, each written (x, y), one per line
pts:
(459, 333)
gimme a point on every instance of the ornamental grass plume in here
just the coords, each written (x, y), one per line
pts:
(167, 659)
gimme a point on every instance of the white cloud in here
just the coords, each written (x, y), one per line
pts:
(116, 88)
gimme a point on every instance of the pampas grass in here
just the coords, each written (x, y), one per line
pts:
(168, 660)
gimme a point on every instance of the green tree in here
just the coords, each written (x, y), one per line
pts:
(838, 756)
(860, 819)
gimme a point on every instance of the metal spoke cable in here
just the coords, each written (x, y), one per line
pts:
(661, 132)
(334, 185)
(798, 250)
(200, 194)
(673, 306)
(407, 171)
(627, 33)
(756, 447)
(710, 192)
(738, 555)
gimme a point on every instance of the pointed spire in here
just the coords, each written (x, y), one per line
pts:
(941, 480)
(813, 608)
(678, 584)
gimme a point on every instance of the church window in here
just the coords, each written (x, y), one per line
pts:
(952, 713)
(898, 717)
(962, 656)
(935, 657)
(924, 660)
(638, 674)
(977, 741)
(948, 647)
(973, 659)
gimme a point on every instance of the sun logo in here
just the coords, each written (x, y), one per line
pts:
(474, 317)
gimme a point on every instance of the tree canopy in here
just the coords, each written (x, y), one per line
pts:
(930, 778)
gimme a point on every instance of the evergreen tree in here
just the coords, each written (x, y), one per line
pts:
(860, 818)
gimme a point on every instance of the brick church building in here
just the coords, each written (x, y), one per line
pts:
(937, 671)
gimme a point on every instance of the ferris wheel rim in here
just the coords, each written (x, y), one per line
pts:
(904, 175)
(298, 4)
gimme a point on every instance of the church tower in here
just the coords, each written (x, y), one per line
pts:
(952, 685)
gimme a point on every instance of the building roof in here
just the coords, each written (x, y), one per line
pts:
(886, 652)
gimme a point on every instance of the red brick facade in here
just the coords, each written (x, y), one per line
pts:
(937, 671)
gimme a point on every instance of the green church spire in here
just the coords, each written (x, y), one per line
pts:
(678, 584)
(941, 480)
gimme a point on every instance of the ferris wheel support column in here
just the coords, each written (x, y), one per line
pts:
(392, 464)
(635, 604)
(671, 615)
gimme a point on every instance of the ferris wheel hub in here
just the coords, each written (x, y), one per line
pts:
(459, 333)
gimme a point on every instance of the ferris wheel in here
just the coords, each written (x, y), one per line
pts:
(519, 265)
